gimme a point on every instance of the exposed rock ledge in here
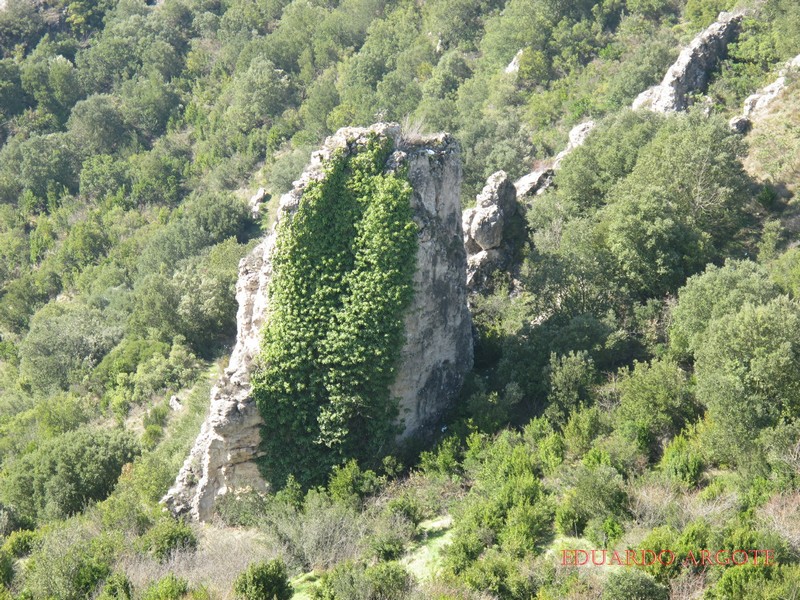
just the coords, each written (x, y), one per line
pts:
(688, 74)
(487, 221)
(691, 72)
(757, 104)
(438, 347)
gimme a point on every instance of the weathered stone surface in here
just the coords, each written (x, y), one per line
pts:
(489, 231)
(513, 66)
(740, 124)
(255, 202)
(437, 353)
(483, 225)
(534, 183)
(539, 181)
(577, 136)
(691, 72)
(438, 344)
(757, 103)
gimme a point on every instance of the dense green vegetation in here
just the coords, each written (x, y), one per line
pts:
(638, 390)
(343, 275)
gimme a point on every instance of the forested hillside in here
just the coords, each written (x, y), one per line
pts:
(637, 386)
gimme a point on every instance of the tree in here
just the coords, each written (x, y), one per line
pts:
(96, 125)
(259, 95)
(64, 342)
(609, 154)
(264, 580)
(710, 295)
(12, 97)
(655, 403)
(745, 372)
(147, 105)
(63, 474)
(656, 244)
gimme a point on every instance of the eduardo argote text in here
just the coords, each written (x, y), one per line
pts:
(643, 558)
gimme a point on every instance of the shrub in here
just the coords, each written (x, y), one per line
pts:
(603, 532)
(350, 485)
(65, 473)
(70, 563)
(167, 537)
(168, 587)
(568, 520)
(444, 459)
(498, 575)
(391, 533)
(20, 543)
(331, 531)
(349, 581)
(6, 567)
(681, 462)
(117, 587)
(655, 402)
(527, 528)
(406, 506)
(631, 584)
(264, 580)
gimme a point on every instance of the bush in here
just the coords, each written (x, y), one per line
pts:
(167, 537)
(391, 533)
(168, 587)
(631, 584)
(63, 474)
(349, 581)
(655, 403)
(117, 587)
(444, 459)
(70, 563)
(264, 580)
(6, 567)
(350, 485)
(20, 543)
(681, 462)
(498, 575)
(408, 507)
(604, 533)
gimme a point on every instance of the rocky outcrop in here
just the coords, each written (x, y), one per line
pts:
(513, 66)
(438, 333)
(257, 201)
(577, 136)
(691, 72)
(492, 231)
(758, 103)
(534, 183)
(538, 181)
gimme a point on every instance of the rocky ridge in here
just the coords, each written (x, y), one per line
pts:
(438, 347)
(691, 72)
(757, 104)
(489, 248)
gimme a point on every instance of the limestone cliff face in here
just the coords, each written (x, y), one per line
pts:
(437, 351)
(691, 72)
